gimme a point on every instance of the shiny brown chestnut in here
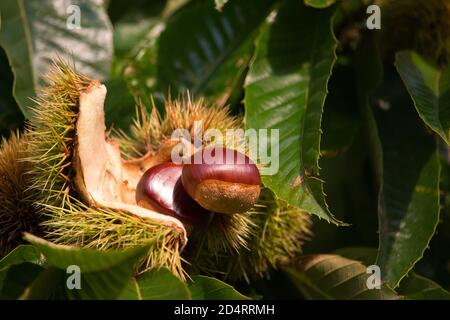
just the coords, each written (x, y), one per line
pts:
(160, 189)
(222, 180)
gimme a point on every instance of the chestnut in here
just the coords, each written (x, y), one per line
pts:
(160, 189)
(222, 180)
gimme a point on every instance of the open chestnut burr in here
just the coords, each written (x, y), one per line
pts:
(160, 189)
(222, 180)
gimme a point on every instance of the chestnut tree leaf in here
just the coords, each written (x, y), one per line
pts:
(34, 33)
(20, 254)
(413, 286)
(16, 278)
(18, 269)
(416, 287)
(209, 57)
(207, 288)
(285, 90)
(429, 87)
(405, 162)
(333, 277)
(408, 204)
(156, 285)
(103, 274)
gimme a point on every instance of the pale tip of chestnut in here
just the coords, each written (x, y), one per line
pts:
(222, 180)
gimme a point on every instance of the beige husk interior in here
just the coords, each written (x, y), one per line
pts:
(103, 177)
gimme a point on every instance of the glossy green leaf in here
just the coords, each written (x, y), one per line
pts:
(50, 284)
(413, 286)
(16, 278)
(405, 165)
(429, 87)
(35, 32)
(409, 192)
(21, 254)
(332, 277)
(320, 4)
(156, 285)
(89, 260)
(207, 288)
(18, 269)
(210, 56)
(104, 274)
(285, 89)
(420, 288)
